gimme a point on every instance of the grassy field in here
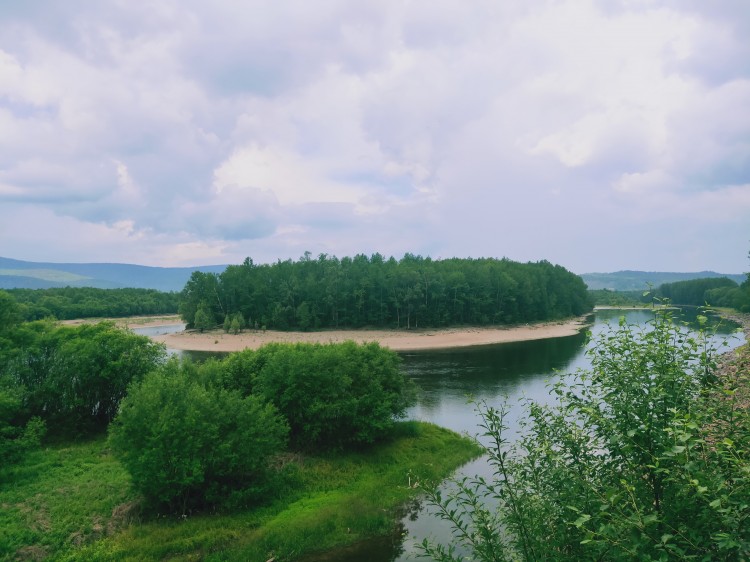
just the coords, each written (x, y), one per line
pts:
(74, 502)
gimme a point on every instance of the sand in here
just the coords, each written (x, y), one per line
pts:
(131, 321)
(398, 340)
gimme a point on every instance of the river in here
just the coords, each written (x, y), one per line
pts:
(448, 378)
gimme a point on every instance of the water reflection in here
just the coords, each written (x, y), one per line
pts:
(511, 371)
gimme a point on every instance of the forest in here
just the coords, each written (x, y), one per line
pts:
(719, 291)
(360, 292)
(86, 302)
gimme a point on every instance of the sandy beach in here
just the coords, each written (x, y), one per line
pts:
(398, 340)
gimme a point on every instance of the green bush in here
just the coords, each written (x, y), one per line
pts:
(74, 377)
(332, 395)
(188, 443)
(16, 434)
(642, 458)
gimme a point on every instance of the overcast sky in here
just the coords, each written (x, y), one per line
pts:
(599, 135)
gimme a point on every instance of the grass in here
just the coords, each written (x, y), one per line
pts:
(75, 503)
(60, 497)
(45, 274)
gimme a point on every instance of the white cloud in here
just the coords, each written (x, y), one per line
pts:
(437, 127)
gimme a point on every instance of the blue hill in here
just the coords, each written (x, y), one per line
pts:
(42, 275)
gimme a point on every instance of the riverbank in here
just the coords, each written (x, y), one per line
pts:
(73, 501)
(742, 318)
(397, 340)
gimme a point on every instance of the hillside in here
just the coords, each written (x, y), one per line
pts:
(39, 275)
(640, 280)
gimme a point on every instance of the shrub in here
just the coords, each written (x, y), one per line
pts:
(629, 465)
(188, 443)
(16, 434)
(74, 377)
(332, 395)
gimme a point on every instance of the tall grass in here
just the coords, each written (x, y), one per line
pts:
(74, 503)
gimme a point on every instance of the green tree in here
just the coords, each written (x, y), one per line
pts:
(74, 377)
(188, 443)
(332, 395)
(639, 460)
(10, 313)
(204, 319)
(16, 435)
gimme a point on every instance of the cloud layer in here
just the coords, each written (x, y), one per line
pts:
(599, 135)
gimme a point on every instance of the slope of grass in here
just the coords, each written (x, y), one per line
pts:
(60, 497)
(75, 503)
(54, 275)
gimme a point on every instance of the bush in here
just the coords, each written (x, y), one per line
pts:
(16, 434)
(332, 395)
(641, 459)
(74, 377)
(188, 443)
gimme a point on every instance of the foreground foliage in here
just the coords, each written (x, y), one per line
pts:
(187, 443)
(75, 502)
(74, 378)
(646, 456)
(66, 381)
(332, 395)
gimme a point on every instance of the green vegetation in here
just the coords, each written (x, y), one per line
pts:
(371, 291)
(73, 378)
(36, 275)
(606, 297)
(204, 444)
(54, 275)
(695, 292)
(84, 302)
(74, 502)
(639, 280)
(61, 497)
(644, 457)
(188, 443)
(332, 395)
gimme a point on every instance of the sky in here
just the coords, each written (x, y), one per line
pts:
(599, 135)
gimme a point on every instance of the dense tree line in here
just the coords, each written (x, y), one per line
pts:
(609, 297)
(362, 291)
(86, 302)
(694, 291)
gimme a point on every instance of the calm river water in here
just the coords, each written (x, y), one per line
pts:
(449, 378)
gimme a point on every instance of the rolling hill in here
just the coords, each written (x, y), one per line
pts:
(640, 280)
(40, 275)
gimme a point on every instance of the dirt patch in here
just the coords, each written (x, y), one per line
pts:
(33, 552)
(123, 515)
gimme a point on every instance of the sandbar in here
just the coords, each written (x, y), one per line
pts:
(153, 321)
(397, 340)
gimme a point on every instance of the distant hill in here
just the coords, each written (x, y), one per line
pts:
(36, 275)
(640, 280)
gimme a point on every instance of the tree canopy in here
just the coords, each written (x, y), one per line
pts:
(86, 302)
(362, 291)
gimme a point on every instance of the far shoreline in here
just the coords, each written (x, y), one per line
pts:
(397, 340)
